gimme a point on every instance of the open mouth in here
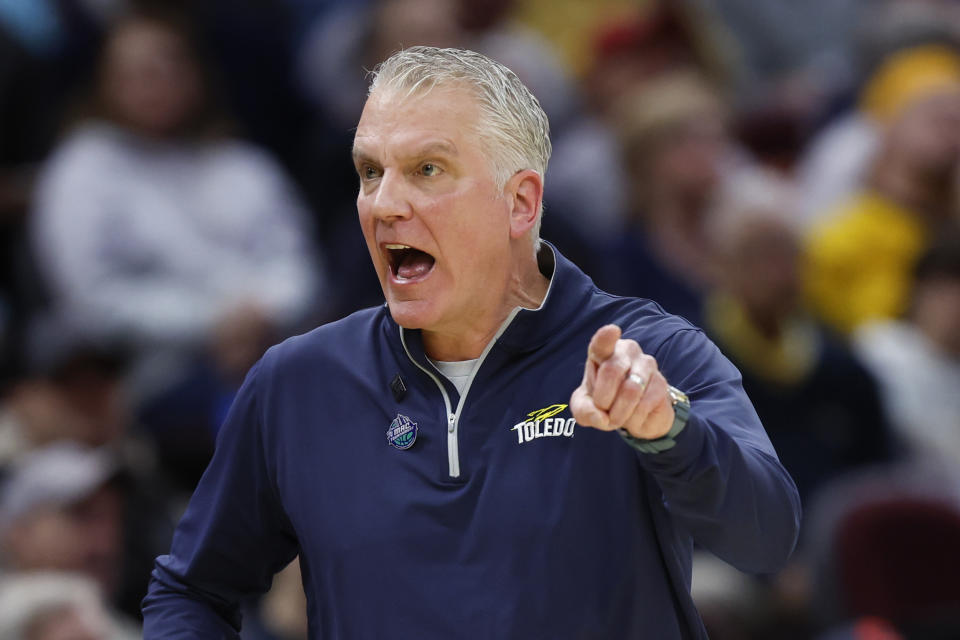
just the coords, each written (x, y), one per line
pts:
(407, 263)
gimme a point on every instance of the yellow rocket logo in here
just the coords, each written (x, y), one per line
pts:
(542, 423)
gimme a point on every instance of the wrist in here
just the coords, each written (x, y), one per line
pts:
(681, 414)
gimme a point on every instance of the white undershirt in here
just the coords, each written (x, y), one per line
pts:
(456, 372)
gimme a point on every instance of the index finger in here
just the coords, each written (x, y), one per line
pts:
(603, 343)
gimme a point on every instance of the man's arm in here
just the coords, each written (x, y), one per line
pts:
(232, 539)
(720, 477)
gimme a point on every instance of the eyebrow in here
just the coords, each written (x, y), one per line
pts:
(441, 147)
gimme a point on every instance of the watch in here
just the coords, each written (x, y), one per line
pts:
(681, 413)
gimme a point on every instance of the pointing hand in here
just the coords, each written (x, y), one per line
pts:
(622, 387)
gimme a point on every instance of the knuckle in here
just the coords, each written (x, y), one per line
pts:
(649, 399)
(635, 382)
(612, 370)
(657, 393)
(632, 348)
(631, 391)
(660, 383)
(575, 406)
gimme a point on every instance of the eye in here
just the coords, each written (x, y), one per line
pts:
(429, 169)
(368, 172)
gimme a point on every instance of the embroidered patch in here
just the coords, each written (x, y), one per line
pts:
(402, 432)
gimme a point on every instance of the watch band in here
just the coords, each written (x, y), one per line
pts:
(681, 414)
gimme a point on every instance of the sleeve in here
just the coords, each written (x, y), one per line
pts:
(722, 481)
(232, 539)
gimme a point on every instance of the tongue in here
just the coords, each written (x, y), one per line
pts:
(414, 264)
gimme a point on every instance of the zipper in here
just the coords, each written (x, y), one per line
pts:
(453, 447)
(453, 417)
(453, 457)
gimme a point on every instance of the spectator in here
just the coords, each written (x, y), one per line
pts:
(776, 39)
(917, 359)
(819, 405)
(56, 606)
(861, 257)
(677, 152)
(352, 39)
(72, 391)
(45, 48)
(628, 52)
(61, 509)
(837, 160)
(153, 226)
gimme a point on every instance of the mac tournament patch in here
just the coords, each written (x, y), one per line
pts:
(402, 432)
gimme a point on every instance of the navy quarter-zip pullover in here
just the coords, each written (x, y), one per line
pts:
(503, 519)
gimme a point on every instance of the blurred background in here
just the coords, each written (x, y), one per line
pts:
(177, 194)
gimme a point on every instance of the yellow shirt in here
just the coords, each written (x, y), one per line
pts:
(786, 360)
(860, 261)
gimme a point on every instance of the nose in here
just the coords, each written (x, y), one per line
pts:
(390, 201)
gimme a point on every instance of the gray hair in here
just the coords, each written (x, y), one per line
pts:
(514, 128)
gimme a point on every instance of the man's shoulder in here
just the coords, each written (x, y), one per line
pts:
(346, 339)
(586, 307)
(641, 319)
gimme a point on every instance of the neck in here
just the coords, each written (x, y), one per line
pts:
(526, 288)
(769, 325)
(456, 347)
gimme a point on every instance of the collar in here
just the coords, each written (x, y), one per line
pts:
(529, 329)
(786, 360)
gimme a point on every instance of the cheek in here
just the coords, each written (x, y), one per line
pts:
(944, 308)
(52, 543)
(366, 222)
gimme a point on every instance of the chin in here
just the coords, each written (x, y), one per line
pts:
(411, 314)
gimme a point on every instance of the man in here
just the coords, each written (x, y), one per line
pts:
(924, 407)
(61, 511)
(422, 458)
(861, 255)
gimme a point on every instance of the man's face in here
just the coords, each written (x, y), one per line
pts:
(436, 225)
(689, 158)
(927, 134)
(150, 79)
(762, 268)
(936, 310)
(85, 536)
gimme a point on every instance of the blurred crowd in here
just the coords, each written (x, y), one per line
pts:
(177, 194)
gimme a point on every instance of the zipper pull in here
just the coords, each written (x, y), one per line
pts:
(451, 423)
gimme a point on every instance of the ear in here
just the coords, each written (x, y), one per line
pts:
(525, 190)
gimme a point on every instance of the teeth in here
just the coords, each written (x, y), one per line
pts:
(396, 246)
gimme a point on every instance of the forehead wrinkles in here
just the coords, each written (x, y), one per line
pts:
(394, 118)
